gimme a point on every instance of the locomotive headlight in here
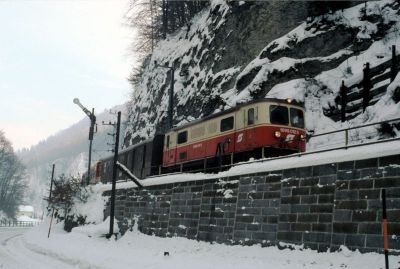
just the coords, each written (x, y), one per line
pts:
(302, 137)
(277, 134)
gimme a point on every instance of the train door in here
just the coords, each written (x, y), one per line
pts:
(169, 154)
(251, 119)
(245, 138)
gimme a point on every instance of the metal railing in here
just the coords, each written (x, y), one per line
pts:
(351, 137)
(12, 223)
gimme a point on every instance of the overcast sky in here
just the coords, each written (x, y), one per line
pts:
(53, 51)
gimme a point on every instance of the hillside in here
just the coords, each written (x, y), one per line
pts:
(68, 150)
(234, 52)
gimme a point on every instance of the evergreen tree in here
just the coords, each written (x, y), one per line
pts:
(12, 178)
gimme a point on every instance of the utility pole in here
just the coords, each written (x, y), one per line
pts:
(114, 178)
(92, 118)
(171, 98)
(171, 94)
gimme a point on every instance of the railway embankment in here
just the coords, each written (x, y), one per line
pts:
(321, 206)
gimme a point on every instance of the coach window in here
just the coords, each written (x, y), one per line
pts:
(296, 118)
(182, 137)
(250, 116)
(226, 124)
(279, 115)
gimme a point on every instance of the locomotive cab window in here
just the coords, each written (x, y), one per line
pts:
(227, 124)
(182, 137)
(250, 116)
(279, 115)
(167, 142)
(296, 118)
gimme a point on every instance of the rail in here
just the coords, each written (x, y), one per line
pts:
(12, 223)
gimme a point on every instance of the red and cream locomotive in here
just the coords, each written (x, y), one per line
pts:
(258, 129)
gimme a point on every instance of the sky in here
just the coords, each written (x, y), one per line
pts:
(53, 51)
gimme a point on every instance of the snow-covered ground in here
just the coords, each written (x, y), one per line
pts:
(84, 248)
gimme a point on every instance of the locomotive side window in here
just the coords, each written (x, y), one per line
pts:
(250, 116)
(296, 118)
(279, 115)
(227, 124)
(182, 137)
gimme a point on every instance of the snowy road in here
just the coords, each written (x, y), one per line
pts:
(16, 254)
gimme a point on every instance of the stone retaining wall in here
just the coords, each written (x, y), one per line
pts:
(322, 207)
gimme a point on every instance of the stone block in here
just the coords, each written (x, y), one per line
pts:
(366, 163)
(370, 228)
(289, 173)
(245, 219)
(327, 180)
(345, 227)
(290, 200)
(270, 178)
(272, 195)
(348, 174)
(389, 160)
(301, 191)
(325, 217)
(353, 205)
(304, 172)
(322, 190)
(387, 182)
(300, 227)
(269, 228)
(325, 199)
(355, 240)
(364, 216)
(361, 184)
(321, 227)
(317, 237)
(300, 208)
(346, 165)
(264, 236)
(309, 199)
(325, 169)
(309, 181)
(371, 173)
(321, 208)
(253, 227)
(369, 194)
(342, 184)
(287, 217)
(290, 236)
(307, 217)
(338, 239)
(374, 241)
(346, 195)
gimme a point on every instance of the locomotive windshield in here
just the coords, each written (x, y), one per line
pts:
(296, 118)
(279, 115)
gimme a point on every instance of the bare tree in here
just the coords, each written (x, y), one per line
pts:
(12, 178)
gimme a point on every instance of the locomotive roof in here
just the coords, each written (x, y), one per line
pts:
(271, 100)
(128, 148)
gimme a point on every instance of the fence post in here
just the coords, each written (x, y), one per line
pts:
(366, 86)
(385, 229)
(393, 69)
(346, 134)
(343, 101)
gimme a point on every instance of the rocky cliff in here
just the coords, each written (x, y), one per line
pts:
(234, 52)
